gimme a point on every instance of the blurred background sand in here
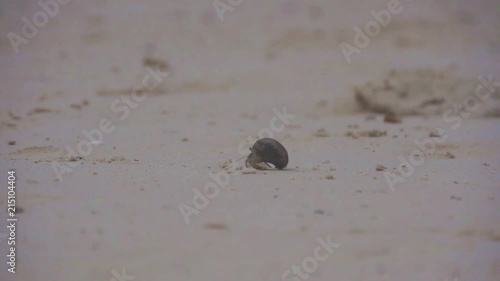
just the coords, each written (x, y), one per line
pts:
(119, 207)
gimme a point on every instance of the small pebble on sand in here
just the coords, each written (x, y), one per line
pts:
(319, 212)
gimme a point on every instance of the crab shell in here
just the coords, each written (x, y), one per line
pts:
(265, 151)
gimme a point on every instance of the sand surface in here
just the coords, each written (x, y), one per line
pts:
(403, 181)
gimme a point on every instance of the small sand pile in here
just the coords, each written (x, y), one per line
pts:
(427, 92)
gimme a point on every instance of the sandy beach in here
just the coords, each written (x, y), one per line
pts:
(125, 126)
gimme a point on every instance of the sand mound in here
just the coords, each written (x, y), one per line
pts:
(425, 92)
